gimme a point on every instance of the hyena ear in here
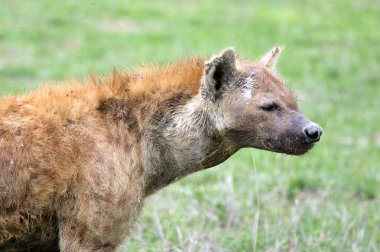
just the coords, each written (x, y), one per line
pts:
(218, 74)
(270, 58)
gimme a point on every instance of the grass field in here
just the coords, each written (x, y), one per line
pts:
(327, 200)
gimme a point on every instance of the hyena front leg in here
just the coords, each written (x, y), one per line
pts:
(76, 237)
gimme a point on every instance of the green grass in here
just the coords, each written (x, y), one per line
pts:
(327, 200)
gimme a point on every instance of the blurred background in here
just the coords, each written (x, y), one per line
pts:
(327, 200)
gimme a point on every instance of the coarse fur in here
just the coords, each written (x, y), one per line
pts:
(78, 160)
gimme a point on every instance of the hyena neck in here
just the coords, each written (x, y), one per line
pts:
(188, 140)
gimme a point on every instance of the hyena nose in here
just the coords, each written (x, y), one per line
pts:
(312, 133)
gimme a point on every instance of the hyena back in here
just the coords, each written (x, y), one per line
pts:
(77, 161)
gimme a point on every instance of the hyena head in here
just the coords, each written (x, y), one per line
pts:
(253, 108)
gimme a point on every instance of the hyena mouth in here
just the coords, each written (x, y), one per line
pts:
(270, 144)
(287, 147)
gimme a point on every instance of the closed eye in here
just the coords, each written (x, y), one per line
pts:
(270, 107)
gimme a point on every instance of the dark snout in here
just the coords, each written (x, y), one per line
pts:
(312, 133)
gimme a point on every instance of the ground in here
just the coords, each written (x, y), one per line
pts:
(327, 200)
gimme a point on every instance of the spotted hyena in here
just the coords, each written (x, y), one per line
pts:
(78, 160)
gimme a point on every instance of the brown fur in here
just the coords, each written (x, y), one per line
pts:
(77, 161)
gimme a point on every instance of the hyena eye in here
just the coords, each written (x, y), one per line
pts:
(270, 107)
